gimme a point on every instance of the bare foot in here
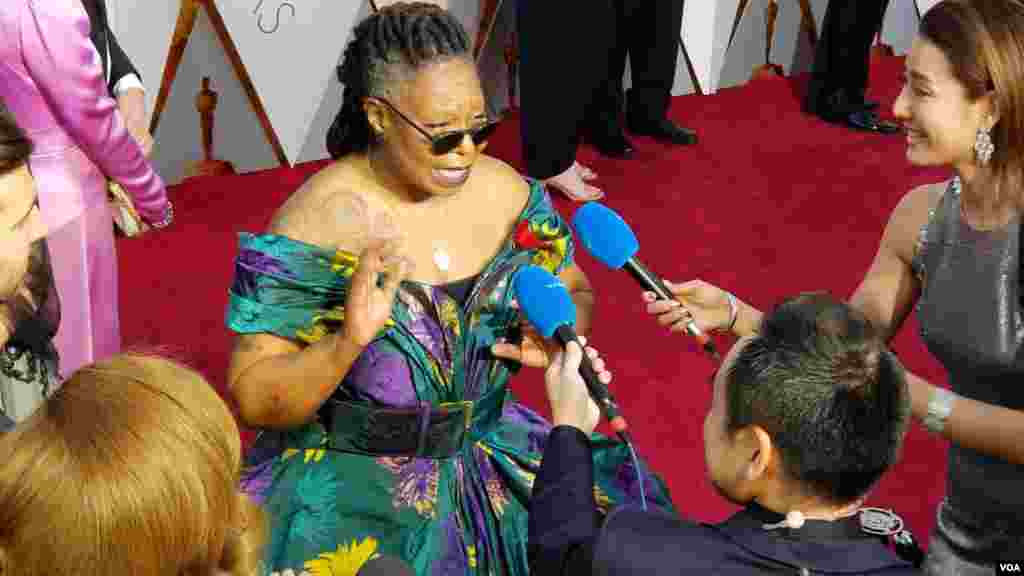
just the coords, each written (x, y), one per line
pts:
(572, 185)
(585, 172)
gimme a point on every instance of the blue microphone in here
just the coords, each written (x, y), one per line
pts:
(608, 238)
(546, 303)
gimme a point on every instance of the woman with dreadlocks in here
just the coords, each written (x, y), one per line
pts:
(377, 330)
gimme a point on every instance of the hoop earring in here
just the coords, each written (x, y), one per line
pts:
(983, 146)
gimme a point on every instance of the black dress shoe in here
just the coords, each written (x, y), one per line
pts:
(664, 131)
(870, 122)
(610, 144)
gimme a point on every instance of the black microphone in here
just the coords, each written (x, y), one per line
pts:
(608, 238)
(547, 305)
(385, 566)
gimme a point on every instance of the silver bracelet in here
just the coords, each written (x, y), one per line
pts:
(167, 219)
(940, 406)
(734, 311)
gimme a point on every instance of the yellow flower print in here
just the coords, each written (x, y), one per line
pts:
(604, 503)
(438, 373)
(416, 483)
(551, 256)
(318, 328)
(496, 494)
(450, 316)
(322, 323)
(547, 239)
(289, 453)
(345, 561)
(471, 555)
(344, 263)
(315, 455)
(546, 260)
(474, 319)
(547, 230)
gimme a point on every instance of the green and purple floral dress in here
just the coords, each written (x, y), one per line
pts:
(448, 495)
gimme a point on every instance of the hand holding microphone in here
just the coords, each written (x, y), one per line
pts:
(571, 404)
(608, 238)
(695, 301)
(546, 304)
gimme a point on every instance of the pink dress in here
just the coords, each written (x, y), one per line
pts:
(52, 80)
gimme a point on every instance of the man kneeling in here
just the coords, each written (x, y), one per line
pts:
(806, 416)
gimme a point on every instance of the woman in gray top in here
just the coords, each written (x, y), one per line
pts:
(954, 249)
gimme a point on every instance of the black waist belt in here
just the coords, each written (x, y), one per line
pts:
(428, 431)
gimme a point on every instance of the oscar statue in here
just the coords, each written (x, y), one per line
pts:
(206, 105)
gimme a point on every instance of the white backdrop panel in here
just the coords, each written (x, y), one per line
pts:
(286, 47)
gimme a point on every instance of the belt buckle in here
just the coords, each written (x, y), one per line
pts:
(467, 410)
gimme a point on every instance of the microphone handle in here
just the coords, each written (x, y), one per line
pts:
(652, 282)
(647, 279)
(598, 391)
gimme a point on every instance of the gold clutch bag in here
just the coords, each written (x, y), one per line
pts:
(126, 218)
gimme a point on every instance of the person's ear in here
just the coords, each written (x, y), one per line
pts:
(377, 116)
(760, 450)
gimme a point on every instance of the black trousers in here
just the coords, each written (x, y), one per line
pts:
(563, 57)
(839, 76)
(648, 32)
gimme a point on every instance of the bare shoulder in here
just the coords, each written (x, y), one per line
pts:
(333, 210)
(909, 216)
(503, 183)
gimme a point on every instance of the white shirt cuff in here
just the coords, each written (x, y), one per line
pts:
(128, 82)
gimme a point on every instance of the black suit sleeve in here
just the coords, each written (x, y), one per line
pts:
(120, 64)
(564, 520)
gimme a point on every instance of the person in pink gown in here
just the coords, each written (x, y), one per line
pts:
(52, 79)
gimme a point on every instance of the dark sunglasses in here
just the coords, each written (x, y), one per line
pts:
(445, 142)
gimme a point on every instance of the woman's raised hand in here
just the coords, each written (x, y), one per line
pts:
(380, 271)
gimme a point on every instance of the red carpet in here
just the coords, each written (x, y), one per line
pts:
(770, 203)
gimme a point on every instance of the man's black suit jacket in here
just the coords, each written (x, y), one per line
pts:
(106, 44)
(568, 538)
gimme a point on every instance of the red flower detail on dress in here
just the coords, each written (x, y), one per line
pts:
(525, 238)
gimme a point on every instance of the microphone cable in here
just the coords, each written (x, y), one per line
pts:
(628, 441)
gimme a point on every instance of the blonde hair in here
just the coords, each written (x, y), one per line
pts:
(984, 44)
(130, 468)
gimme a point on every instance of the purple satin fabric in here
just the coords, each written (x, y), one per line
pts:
(52, 80)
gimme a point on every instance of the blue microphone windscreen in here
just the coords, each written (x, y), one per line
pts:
(604, 234)
(543, 299)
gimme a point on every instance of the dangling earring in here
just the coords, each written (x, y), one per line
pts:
(983, 146)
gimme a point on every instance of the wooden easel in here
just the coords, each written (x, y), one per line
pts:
(182, 32)
(807, 25)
